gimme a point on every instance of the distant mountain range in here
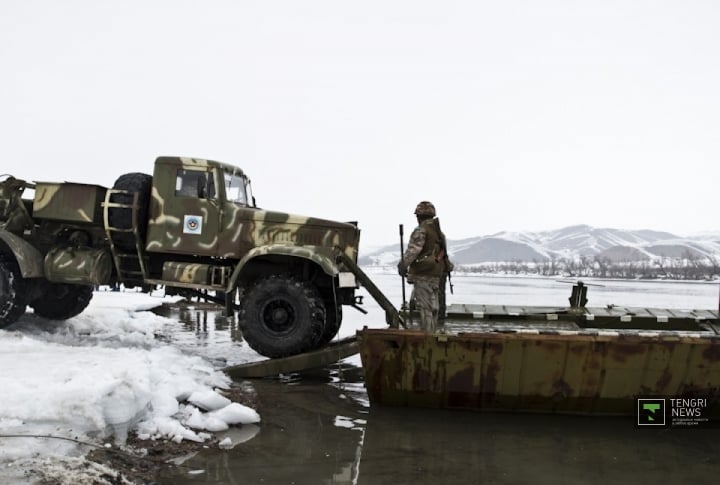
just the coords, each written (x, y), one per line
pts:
(574, 242)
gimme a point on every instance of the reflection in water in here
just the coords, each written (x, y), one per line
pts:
(204, 330)
(313, 433)
(237, 435)
(414, 446)
(309, 434)
(195, 319)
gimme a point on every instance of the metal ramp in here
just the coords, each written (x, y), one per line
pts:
(335, 351)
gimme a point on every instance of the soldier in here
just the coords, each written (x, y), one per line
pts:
(425, 263)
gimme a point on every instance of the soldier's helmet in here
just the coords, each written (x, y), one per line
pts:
(425, 208)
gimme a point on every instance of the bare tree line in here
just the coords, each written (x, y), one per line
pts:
(687, 267)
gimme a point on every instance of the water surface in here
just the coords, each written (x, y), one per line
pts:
(318, 427)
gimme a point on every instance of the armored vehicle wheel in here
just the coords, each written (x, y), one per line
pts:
(333, 318)
(62, 301)
(281, 316)
(122, 218)
(12, 292)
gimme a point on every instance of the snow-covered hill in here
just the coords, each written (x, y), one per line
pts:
(571, 242)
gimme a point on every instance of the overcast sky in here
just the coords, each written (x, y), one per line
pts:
(515, 115)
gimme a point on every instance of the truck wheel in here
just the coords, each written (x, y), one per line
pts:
(333, 319)
(122, 218)
(62, 301)
(281, 316)
(12, 292)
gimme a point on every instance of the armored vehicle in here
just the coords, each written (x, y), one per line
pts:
(191, 227)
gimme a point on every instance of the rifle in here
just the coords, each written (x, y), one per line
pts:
(443, 254)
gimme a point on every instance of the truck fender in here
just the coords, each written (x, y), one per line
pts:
(28, 258)
(305, 252)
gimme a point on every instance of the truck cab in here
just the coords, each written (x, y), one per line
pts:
(190, 205)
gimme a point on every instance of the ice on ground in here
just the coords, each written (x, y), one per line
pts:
(208, 400)
(220, 419)
(225, 444)
(236, 413)
(104, 374)
(198, 420)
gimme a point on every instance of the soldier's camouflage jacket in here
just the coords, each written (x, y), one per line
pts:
(425, 256)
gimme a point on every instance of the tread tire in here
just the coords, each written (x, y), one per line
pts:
(281, 316)
(62, 301)
(12, 291)
(122, 218)
(333, 320)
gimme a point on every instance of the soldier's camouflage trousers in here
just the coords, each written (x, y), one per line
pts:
(425, 294)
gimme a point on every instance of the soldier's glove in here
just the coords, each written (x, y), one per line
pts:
(402, 269)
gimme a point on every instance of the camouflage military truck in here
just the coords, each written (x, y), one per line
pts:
(191, 227)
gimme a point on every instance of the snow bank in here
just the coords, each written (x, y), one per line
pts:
(103, 374)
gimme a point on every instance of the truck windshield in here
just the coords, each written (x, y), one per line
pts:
(235, 188)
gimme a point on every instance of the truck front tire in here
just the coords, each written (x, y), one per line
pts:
(12, 292)
(62, 301)
(282, 316)
(333, 319)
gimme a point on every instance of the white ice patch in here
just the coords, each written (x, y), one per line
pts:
(236, 413)
(123, 408)
(102, 374)
(208, 400)
(198, 420)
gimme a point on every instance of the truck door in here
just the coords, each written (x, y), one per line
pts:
(237, 219)
(188, 221)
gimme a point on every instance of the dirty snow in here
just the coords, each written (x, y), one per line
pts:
(100, 376)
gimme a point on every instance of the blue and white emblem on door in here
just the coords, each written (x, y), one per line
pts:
(192, 225)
